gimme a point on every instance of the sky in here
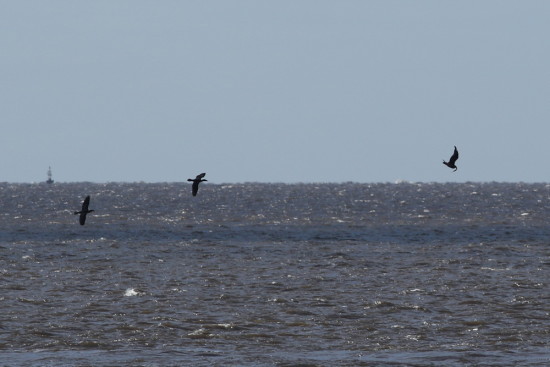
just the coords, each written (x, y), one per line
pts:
(274, 91)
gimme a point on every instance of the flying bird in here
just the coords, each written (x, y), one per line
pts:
(196, 181)
(84, 210)
(452, 160)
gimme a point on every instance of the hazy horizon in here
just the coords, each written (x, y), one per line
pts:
(212, 182)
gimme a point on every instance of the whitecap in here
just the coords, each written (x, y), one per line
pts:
(199, 332)
(130, 292)
(225, 326)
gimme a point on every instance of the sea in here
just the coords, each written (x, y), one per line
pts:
(269, 274)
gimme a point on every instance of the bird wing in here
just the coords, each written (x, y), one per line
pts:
(200, 176)
(454, 157)
(82, 218)
(86, 203)
(195, 187)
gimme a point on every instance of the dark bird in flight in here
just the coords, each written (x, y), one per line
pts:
(196, 182)
(84, 210)
(452, 160)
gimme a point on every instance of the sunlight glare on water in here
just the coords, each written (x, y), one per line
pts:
(275, 274)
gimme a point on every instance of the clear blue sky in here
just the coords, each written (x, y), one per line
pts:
(274, 91)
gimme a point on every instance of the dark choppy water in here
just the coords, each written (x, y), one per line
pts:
(275, 275)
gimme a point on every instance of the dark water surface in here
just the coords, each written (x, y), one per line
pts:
(275, 275)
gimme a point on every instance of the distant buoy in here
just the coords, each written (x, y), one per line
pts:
(49, 180)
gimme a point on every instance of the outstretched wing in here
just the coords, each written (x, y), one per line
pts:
(195, 187)
(82, 218)
(85, 205)
(454, 157)
(200, 176)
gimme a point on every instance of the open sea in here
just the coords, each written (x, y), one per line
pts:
(404, 274)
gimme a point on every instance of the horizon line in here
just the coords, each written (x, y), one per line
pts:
(395, 182)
